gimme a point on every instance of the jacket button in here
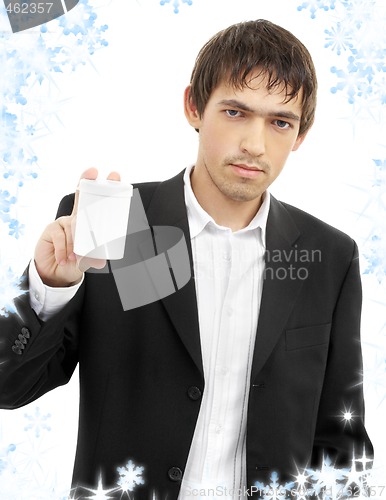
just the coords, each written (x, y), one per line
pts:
(22, 339)
(262, 467)
(175, 474)
(25, 332)
(16, 349)
(194, 393)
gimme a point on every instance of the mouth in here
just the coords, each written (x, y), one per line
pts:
(249, 171)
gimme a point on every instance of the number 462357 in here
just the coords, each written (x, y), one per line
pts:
(29, 8)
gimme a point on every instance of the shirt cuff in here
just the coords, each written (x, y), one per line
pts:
(46, 300)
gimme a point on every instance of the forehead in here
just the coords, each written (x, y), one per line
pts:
(256, 90)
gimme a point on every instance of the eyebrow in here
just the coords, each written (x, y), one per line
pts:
(234, 103)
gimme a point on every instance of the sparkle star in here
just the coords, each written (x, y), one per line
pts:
(347, 416)
(100, 493)
(364, 460)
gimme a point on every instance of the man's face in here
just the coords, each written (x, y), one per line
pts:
(245, 138)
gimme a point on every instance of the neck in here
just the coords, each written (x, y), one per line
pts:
(224, 210)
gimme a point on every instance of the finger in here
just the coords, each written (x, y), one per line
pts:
(90, 173)
(114, 176)
(58, 237)
(69, 234)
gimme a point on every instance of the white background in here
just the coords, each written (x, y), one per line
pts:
(123, 111)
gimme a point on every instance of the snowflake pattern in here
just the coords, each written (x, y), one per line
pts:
(314, 5)
(326, 483)
(38, 422)
(30, 70)
(358, 35)
(176, 4)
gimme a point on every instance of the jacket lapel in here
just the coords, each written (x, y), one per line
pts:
(281, 283)
(167, 208)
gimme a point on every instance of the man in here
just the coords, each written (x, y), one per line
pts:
(245, 369)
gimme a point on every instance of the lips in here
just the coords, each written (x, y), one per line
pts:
(246, 171)
(247, 167)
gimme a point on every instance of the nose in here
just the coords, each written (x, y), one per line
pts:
(253, 138)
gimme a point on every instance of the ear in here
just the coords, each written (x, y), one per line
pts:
(190, 109)
(299, 141)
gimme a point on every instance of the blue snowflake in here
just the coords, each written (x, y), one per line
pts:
(43, 60)
(359, 12)
(37, 422)
(176, 4)
(14, 74)
(16, 229)
(6, 200)
(355, 81)
(380, 173)
(4, 456)
(79, 20)
(368, 61)
(274, 490)
(315, 5)
(379, 88)
(8, 131)
(376, 258)
(339, 38)
(130, 477)
(328, 479)
(19, 167)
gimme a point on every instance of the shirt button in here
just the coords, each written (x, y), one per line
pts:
(194, 393)
(226, 256)
(37, 296)
(175, 474)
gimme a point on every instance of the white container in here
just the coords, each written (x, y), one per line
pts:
(102, 218)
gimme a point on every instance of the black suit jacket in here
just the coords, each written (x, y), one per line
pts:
(141, 374)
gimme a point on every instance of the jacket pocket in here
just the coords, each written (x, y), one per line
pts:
(309, 336)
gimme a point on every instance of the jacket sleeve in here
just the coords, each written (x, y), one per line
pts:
(338, 438)
(37, 356)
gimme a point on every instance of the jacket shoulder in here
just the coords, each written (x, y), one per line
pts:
(317, 229)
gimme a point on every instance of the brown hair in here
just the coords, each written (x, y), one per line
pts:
(234, 53)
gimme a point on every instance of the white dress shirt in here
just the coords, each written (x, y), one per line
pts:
(228, 269)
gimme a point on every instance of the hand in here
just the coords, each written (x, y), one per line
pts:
(55, 260)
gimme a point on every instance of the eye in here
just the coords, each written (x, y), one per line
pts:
(282, 124)
(233, 113)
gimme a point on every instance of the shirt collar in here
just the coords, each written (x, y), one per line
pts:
(199, 219)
